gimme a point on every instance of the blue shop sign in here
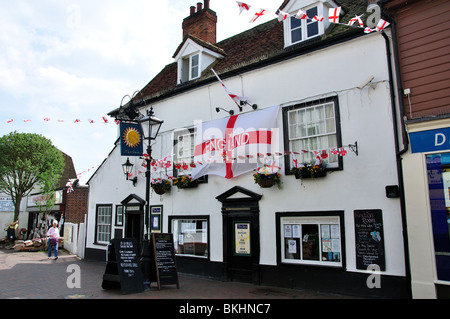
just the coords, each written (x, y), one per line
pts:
(430, 141)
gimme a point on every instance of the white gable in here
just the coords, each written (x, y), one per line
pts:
(190, 48)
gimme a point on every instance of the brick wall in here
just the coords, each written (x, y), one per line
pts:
(201, 24)
(77, 205)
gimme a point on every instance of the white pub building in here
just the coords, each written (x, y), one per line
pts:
(303, 103)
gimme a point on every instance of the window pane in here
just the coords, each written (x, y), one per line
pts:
(191, 237)
(330, 126)
(310, 242)
(195, 60)
(296, 35)
(194, 73)
(313, 29)
(329, 110)
(295, 23)
(311, 12)
(194, 66)
(331, 244)
(296, 30)
(438, 169)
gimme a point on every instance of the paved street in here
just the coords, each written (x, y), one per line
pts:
(31, 275)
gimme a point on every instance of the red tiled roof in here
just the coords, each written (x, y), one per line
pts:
(248, 48)
(255, 44)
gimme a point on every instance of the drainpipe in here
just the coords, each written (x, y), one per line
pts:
(399, 152)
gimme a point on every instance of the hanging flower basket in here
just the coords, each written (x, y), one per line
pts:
(266, 183)
(266, 180)
(161, 186)
(185, 181)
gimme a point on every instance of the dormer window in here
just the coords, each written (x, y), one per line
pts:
(193, 56)
(303, 29)
(296, 29)
(190, 69)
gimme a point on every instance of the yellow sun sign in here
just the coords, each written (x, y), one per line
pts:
(131, 137)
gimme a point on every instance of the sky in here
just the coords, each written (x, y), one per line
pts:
(62, 61)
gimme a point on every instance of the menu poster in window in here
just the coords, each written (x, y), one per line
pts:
(369, 239)
(242, 238)
(156, 218)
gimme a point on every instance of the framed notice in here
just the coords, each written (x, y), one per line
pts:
(156, 218)
(242, 238)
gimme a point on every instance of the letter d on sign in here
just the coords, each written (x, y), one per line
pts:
(439, 139)
(74, 279)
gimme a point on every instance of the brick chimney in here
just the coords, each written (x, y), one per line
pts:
(201, 23)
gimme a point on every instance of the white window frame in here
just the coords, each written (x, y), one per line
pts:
(333, 240)
(304, 25)
(192, 66)
(189, 157)
(103, 223)
(313, 138)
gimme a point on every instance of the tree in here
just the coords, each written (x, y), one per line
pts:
(27, 160)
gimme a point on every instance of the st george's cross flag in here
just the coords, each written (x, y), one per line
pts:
(333, 14)
(382, 24)
(228, 147)
(258, 14)
(243, 6)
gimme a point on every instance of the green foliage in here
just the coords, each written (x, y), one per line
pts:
(28, 160)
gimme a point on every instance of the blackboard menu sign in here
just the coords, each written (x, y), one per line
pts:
(369, 239)
(123, 266)
(165, 263)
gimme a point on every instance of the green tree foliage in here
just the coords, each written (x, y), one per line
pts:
(28, 160)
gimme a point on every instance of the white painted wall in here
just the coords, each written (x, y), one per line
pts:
(365, 117)
(71, 237)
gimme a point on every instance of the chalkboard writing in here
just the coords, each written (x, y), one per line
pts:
(123, 266)
(369, 239)
(165, 263)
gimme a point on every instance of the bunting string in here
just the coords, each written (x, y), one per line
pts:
(333, 17)
(103, 120)
(161, 166)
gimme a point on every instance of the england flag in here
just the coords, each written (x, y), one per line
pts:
(228, 147)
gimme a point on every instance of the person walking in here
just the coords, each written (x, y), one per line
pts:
(53, 236)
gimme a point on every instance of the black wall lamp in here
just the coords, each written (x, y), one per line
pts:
(127, 169)
(254, 106)
(231, 112)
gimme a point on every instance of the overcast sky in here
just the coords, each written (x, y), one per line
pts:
(64, 60)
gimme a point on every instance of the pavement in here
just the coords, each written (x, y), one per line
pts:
(31, 275)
